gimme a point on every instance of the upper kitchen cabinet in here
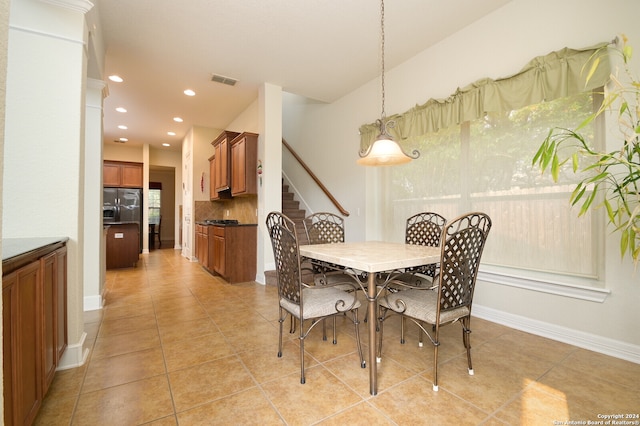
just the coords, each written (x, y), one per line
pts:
(222, 164)
(122, 174)
(244, 163)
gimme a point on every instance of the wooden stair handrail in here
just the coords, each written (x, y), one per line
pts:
(315, 179)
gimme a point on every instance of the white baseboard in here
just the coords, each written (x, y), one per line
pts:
(75, 355)
(93, 303)
(589, 341)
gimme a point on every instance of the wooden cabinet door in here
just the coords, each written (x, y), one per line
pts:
(49, 329)
(26, 344)
(204, 246)
(131, 175)
(8, 335)
(244, 163)
(213, 194)
(219, 250)
(111, 174)
(222, 165)
(61, 302)
(238, 167)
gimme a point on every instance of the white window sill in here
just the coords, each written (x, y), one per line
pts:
(547, 283)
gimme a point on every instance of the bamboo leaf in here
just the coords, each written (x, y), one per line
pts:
(575, 162)
(610, 213)
(623, 108)
(594, 67)
(624, 242)
(555, 168)
(577, 193)
(587, 203)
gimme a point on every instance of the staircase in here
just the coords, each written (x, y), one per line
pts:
(291, 209)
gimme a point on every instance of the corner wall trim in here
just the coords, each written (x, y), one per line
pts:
(592, 342)
(75, 355)
(92, 303)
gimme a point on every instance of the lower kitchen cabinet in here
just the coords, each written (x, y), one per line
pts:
(202, 245)
(234, 252)
(34, 329)
(228, 251)
(123, 245)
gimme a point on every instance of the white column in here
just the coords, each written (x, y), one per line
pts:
(93, 235)
(270, 154)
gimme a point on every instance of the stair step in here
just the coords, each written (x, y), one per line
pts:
(290, 205)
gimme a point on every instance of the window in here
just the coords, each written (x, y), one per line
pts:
(485, 165)
(155, 197)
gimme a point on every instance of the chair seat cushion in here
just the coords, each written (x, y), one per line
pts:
(321, 302)
(421, 305)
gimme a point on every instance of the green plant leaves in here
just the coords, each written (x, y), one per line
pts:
(613, 176)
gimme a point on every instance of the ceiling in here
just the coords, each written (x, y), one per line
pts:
(319, 49)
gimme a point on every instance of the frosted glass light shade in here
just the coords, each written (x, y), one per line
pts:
(384, 152)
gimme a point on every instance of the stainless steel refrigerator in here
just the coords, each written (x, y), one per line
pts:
(123, 205)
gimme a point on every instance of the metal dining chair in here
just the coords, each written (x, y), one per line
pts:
(306, 303)
(423, 229)
(461, 248)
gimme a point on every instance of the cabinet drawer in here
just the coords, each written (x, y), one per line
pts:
(218, 231)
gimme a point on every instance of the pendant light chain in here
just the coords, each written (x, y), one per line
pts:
(383, 115)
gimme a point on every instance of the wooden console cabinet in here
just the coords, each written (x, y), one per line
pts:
(34, 302)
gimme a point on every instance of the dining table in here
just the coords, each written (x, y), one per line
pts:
(370, 259)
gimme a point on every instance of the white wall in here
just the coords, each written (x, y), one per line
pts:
(495, 46)
(43, 155)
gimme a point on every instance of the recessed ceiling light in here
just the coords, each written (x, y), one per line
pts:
(166, 144)
(121, 109)
(124, 140)
(116, 78)
(189, 92)
(171, 133)
(178, 119)
(122, 127)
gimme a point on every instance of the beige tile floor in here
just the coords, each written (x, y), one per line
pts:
(175, 345)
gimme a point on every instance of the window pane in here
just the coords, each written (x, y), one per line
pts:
(154, 206)
(485, 165)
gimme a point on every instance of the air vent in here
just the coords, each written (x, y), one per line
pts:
(224, 80)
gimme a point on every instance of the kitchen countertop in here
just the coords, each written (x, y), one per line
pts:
(12, 247)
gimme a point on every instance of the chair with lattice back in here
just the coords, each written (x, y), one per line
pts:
(309, 304)
(423, 229)
(461, 248)
(325, 228)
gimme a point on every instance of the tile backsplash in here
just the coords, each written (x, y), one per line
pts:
(243, 209)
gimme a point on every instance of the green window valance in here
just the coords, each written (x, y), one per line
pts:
(555, 75)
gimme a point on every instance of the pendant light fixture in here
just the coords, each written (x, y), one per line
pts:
(384, 151)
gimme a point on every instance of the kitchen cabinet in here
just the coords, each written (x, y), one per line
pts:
(244, 163)
(233, 252)
(221, 166)
(213, 194)
(122, 174)
(202, 245)
(123, 245)
(34, 315)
